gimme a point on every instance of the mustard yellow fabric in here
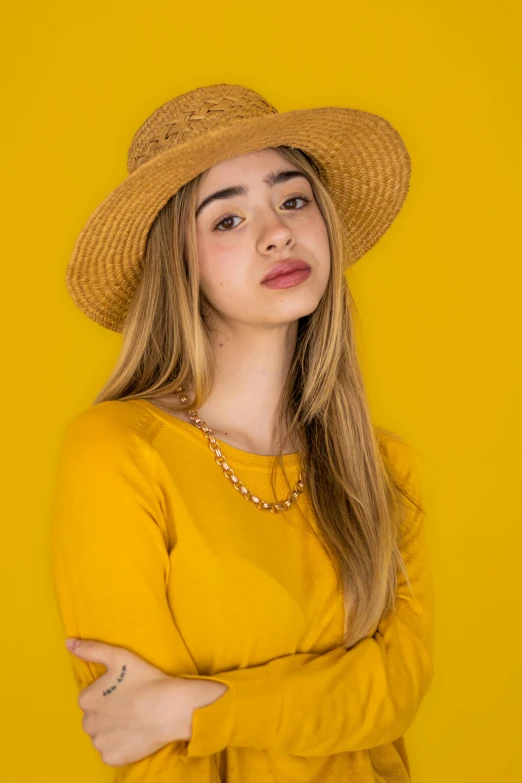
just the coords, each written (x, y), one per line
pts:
(154, 550)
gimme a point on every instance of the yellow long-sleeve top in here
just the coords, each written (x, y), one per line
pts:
(154, 550)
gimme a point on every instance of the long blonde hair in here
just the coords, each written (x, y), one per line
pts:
(352, 487)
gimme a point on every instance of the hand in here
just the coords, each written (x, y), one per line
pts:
(134, 709)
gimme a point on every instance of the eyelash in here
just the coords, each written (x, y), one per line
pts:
(231, 214)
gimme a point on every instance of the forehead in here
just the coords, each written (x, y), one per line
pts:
(253, 164)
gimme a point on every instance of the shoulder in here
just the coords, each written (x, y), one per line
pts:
(110, 429)
(117, 418)
(106, 474)
(400, 458)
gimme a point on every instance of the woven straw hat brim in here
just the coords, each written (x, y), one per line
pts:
(361, 158)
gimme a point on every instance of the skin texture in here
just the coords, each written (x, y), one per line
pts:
(134, 708)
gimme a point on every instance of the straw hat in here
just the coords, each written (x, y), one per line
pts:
(360, 157)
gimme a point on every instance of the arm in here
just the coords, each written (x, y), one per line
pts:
(109, 547)
(317, 704)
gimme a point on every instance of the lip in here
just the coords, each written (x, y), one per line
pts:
(284, 267)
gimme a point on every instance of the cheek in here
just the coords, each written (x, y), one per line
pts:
(317, 240)
(220, 262)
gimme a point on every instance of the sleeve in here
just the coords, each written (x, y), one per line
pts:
(109, 546)
(344, 700)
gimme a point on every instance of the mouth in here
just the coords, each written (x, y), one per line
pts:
(286, 268)
(289, 280)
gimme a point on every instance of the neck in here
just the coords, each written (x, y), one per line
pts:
(251, 367)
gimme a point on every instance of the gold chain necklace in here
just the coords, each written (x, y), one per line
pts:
(274, 508)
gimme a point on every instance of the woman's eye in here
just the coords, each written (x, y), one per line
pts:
(224, 220)
(225, 225)
(297, 198)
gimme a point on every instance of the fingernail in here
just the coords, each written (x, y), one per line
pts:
(72, 643)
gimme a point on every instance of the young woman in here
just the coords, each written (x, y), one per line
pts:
(240, 550)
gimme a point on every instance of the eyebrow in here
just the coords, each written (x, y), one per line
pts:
(274, 178)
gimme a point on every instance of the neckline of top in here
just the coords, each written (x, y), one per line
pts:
(235, 454)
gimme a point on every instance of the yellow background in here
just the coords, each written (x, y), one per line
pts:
(438, 302)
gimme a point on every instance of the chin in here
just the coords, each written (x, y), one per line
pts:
(287, 312)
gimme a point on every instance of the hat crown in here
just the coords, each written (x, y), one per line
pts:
(193, 114)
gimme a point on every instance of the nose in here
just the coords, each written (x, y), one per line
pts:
(274, 234)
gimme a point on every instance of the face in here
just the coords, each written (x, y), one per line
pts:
(243, 234)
